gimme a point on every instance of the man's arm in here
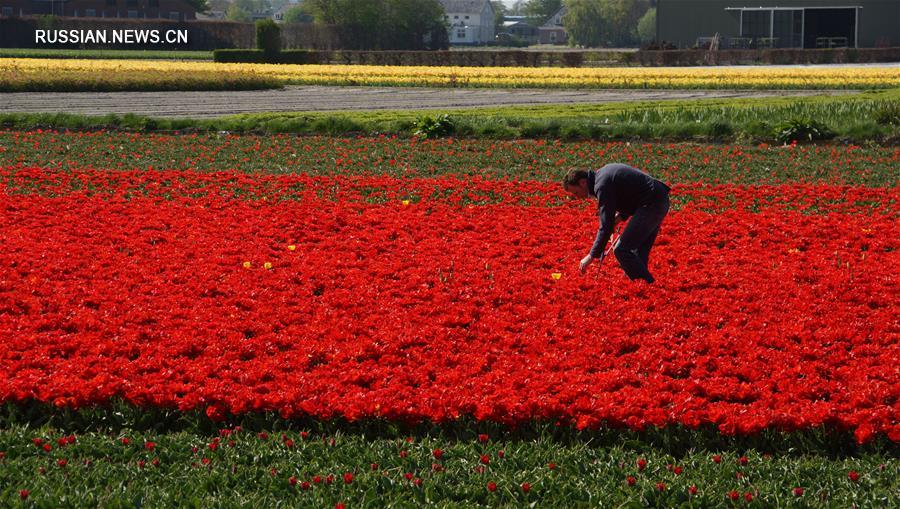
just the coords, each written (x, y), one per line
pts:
(607, 224)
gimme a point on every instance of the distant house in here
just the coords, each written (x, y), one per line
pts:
(278, 15)
(521, 30)
(552, 31)
(266, 14)
(468, 21)
(178, 10)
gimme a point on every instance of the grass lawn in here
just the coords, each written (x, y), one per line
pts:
(105, 54)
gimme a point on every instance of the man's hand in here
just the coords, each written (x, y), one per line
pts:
(585, 262)
(619, 218)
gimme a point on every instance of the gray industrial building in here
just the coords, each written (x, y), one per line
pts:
(779, 23)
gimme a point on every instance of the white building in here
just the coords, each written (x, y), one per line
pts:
(469, 21)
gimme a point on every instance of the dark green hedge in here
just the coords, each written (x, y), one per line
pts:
(520, 58)
(256, 56)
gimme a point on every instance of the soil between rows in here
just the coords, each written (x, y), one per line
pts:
(206, 104)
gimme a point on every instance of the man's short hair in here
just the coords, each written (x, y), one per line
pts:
(573, 176)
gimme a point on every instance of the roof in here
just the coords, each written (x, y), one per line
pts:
(515, 23)
(464, 6)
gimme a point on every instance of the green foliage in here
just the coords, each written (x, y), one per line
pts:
(268, 38)
(888, 114)
(513, 157)
(237, 13)
(243, 10)
(435, 127)
(297, 14)
(500, 11)
(541, 10)
(583, 21)
(612, 23)
(233, 56)
(199, 5)
(127, 54)
(47, 21)
(646, 28)
(746, 121)
(801, 130)
(255, 56)
(384, 24)
(126, 457)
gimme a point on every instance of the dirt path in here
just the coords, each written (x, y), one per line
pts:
(214, 104)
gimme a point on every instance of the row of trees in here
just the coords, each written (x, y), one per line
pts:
(420, 24)
(361, 24)
(610, 23)
(591, 23)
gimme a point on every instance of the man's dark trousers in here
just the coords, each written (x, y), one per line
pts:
(633, 248)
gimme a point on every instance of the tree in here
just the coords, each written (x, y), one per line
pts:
(413, 25)
(517, 9)
(621, 21)
(297, 14)
(384, 24)
(199, 5)
(583, 21)
(593, 23)
(241, 10)
(236, 13)
(646, 28)
(541, 10)
(500, 12)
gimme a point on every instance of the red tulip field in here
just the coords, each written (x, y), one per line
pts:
(380, 321)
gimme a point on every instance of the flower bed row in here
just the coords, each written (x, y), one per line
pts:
(519, 159)
(30, 74)
(332, 307)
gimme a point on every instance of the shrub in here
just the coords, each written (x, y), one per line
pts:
(294, 56)
(255, 56)
(888, 114)
(268, 38)
(235, 56)
(572, 59)
(801, 130)
(720, 129)
(428, 127)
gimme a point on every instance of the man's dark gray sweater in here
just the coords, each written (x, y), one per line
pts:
(623, 189)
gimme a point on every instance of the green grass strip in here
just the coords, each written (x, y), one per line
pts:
(868, 116)
(563, 467)
(105, 54)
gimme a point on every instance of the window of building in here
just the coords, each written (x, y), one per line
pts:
(110, 2)
(174, 15)
(131, 3)
(91, 13)
(756, 23)
(153, 3)
(7, 11)
(132, 14)
(467, 17)
(455, 17)
(461, 33)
